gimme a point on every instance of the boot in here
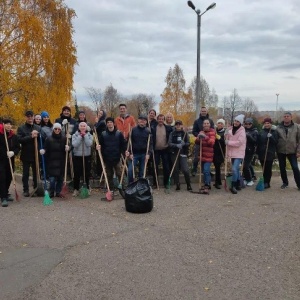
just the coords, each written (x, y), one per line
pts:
(238, 186)
(217, 185)
(233, 189)
(188, 187)
(177, 186)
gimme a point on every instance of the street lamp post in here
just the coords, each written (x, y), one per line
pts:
(277, 108)
(198, 83)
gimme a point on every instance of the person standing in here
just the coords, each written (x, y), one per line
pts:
(46, 125)
(179, 140)
(288, 147)
(37, 119)
(82, 142)
(26, 135)
(197, 127)
(152, 122)
(65, 117)
(266, 149)
(161, 134)
(140, 153)
(112, 145)
(81, 118)
(219, 152)
(170, 120)
(55, 149)
(251, 135)
(235, 139)
(124, 122)
(5, 156)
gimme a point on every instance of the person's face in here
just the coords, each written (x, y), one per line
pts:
(178, 126)
(206, 125)
(161, 120)
(220, 125)
(287, 118)
(122, 110)
(56, 130)
(81, 116)
(203, 112)
(248, 125)
(169, 119)
(82, 127)
(142, 122)
(100, 114)
(46, 119)
(236, 123)
(66, 113)
(151, 115)
(29, 119)
(267, 125)
(37, 119)
(7, 126)
(110, 125)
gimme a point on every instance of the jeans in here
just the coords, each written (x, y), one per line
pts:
(206, 172)
(137, 159)
(294, 164)
(55, 184)
(236, 162)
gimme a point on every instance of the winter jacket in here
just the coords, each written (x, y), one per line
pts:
(55, 154)
(263, 141)
(112, 145)
(27, 142)
(198, 124)
(46, 132)
(76, 125)
(175, 138)
(125, 124)
(13, 144)
(288, 138)
(219, 147)
(100, 126)
(139, 139)
(207, 145)
(168, 131)
(236, 143)
(78, 140)
(251, 135)
(71, 122)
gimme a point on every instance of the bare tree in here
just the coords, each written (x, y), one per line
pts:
(140, 104)
(249, 107)
(111, 99)
(96, 97)
(231, 105)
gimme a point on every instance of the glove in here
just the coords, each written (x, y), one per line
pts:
(269, 135)
(182, 143)
(88, 128)
(201, 135)
(179, 146)
(64, 122)
(82, 134)
(10, 154)
(42, 151)
(67, 148)
(218, 137)
(226, 131)
(226, 142)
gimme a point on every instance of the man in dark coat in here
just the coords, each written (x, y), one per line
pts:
(65, 117)
(27, 134)
(5, 156)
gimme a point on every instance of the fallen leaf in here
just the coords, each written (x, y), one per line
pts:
(206, 289)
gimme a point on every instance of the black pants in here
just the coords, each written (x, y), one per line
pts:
(5, 178)
(246, 167)
(78, 170)
(267, 170)
(181, 164)
(218, 172)
(162, 155)
(25, 178)
(294, 164)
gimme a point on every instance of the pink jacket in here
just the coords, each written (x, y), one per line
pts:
(236, 143)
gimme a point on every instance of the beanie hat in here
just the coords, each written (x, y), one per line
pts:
(221, 121)
(66, 108)
(267, 120)
(111, 119)
(44, 114)
(240, 118)
(56, 125)
(249, 120)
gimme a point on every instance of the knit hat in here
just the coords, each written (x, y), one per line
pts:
(44, 114)
(56, 125)
(66, 108)
(249, 120)
(267, 120)
(110, 119)
(143, 117)
(221, 121)
(240, 118)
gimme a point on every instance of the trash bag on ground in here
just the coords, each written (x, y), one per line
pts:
(138, 197)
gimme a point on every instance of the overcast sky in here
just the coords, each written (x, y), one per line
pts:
(253, 46)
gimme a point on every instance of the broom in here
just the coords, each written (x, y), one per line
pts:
(47, 200)
(11, 168)
(65, 189)
(261, 182)
(167, 190)
(84, 193)
(124, 164)
(109, 194)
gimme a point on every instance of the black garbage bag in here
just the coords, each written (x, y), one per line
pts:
(138, 197)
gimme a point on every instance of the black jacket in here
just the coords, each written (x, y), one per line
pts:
(71, 121)
(251, 135)
(175, 138)
(139, 139)
(219, 147)
(262, 142)
(27, 142)
(198, 124)
(13, 145)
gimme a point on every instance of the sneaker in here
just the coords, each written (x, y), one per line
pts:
(217, 186)
(178, 187)
(10, 197)
(26, 194)
(284, 186)
(4, 202)
(75, 193)
(250, 183)
(189, 188)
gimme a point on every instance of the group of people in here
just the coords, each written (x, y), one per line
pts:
(144, 145)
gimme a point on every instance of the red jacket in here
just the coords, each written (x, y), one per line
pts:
(207, 145)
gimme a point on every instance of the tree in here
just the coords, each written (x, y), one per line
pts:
(231, 105)
(37, 56)
(96, 97)
(110, 100)
(140, 104)
(249, 107)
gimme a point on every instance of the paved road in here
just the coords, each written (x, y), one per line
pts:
(221, 246)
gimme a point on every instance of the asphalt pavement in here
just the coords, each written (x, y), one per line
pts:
(191, 246)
